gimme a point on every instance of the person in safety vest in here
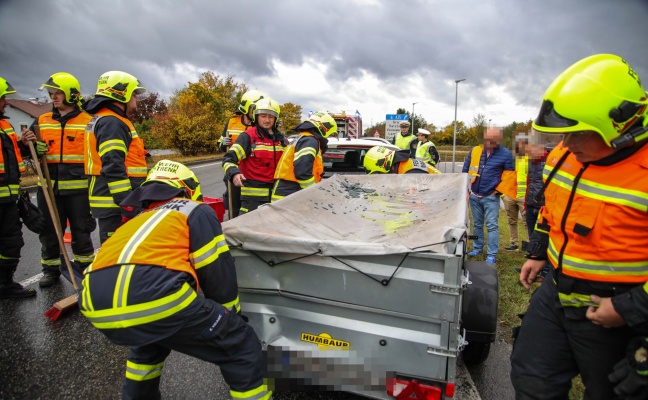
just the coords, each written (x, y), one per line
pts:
(11, 165)
(382, 160)
(592, 231)
(404, 138)
(492, 174)
(62, 130)
(251, 162)
(142, 290)
(514, 206)
(236, 125)
(424, 149)
(115, 158)
(301, 164)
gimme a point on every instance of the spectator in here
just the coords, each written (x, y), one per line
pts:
(492, 173)
(515, 206)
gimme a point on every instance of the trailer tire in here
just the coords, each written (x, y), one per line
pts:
(475, 352)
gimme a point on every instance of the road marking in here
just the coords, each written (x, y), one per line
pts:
(31, 280)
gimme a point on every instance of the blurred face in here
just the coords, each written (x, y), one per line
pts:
(421, 137)
(587, 146)
(492, 139)
(131, 106)
(3, 104)
(404, 129)
(266, 121)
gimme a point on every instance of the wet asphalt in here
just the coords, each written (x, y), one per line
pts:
(70, 359)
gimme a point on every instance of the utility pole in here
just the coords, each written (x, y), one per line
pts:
(454, 139)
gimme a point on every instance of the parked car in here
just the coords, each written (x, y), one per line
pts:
(345, 155)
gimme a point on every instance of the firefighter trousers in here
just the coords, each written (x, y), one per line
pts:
(75, 209)
(11, 240)
(233, 346)
(553, 348)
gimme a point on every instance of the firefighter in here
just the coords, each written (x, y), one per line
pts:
(142, 290)
(380, 159)
(115, 158)
(234, 127)
(301, 165)
(426, 150)
(591, 229)
(404, 138)
(251, 162)
(11, 165)
(62, 131)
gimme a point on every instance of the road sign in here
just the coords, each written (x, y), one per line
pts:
(392, 124)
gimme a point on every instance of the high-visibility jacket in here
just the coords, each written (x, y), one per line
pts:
(423, 152)
(256, 156)
(233, 129)
(521, 172)
(308, 155)
(65, 138)
(595, 217)
(11, 162)
(507, 181)
(115, 159)
(403, 142)
(176, 235)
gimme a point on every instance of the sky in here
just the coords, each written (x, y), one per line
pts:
(373, 56)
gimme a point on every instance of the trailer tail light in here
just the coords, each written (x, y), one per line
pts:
(403, 389)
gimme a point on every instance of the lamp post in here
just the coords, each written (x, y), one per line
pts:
(454, 139)
(489, 120)
(413, 117)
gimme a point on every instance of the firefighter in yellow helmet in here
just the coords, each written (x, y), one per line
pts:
(301, 164)
(251, 162)
(142, 290)
(115, 158)
(591, 229)
(383, 160)
(242, 120)
(63, 133)
(11, 165)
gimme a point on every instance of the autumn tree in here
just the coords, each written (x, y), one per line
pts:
(197, 114)
(149, 106)
(289, 117)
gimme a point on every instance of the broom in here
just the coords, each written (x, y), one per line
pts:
(69, 303)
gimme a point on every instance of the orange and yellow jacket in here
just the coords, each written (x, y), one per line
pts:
(11, 163)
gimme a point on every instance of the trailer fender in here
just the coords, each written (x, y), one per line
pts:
(480, 301)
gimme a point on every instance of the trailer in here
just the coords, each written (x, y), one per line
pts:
(360, 284)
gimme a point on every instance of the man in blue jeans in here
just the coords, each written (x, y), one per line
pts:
(492, 173)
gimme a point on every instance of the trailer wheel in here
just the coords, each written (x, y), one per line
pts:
(475, 352)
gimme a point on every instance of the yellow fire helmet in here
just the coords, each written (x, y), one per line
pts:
(119, 86)
(248, 99)
(378, 159)
(267, 106)
(176, 175)
(5, 88)
(324, 123)
(600, 93)
(66, 83)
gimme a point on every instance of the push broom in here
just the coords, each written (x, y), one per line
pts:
(69, 303)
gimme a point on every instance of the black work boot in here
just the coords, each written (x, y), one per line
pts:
(50, 277)
(10, 289)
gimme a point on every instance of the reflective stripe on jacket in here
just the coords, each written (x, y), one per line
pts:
(521, 171)
(11, 167)
(595, 216)
(423, 152)
(255, 156)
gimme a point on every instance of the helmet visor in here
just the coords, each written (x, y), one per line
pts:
(550, 118)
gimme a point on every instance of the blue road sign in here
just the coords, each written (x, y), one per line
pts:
(397, 117)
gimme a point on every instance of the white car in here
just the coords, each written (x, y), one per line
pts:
(345, 155)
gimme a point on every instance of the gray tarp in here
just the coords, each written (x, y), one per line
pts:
(348, 215)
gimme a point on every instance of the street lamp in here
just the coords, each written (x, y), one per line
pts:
(454, 139)
(489, 120)
(413, 117)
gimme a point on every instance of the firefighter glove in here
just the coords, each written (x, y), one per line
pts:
(41, 148)
(226, 141)
(630, 375)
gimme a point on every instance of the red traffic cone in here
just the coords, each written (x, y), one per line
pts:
(67, 236)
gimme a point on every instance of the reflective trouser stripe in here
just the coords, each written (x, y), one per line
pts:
(259, 393)
(143, 372)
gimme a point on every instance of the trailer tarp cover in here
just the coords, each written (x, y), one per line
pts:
(356, 215)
